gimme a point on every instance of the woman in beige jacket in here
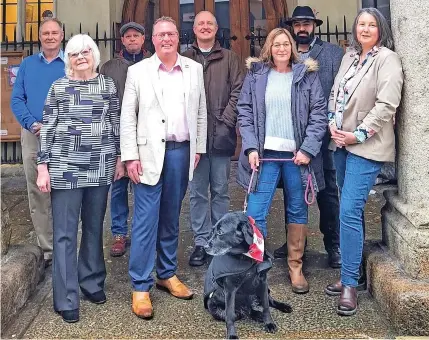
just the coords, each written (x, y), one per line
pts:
(362, 106)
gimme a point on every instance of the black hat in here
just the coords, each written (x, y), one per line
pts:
(303, 13)
(133, 25)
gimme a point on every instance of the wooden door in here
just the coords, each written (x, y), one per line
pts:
(10, 128)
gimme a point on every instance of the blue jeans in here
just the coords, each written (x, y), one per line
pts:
(119, 206)
(211, 171)
(259, 202)
(355, 176)
(156, 219)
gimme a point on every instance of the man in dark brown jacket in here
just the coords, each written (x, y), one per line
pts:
(132, 37)
(223, 77)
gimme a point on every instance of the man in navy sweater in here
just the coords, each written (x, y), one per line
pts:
(35, 76)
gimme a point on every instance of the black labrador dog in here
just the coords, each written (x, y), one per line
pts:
(235, 284)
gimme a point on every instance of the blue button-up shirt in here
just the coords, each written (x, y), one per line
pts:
(60, 55)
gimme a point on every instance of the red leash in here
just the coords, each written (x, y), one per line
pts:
(309, 186)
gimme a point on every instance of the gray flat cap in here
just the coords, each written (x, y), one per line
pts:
(133, 25)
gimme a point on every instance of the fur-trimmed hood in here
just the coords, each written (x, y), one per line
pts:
(252, 63)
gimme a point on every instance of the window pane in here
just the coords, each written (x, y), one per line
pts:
(258, 24)
(31, 10)
(47, 10)
(11, 1)
(9, 31)
(35, 33)
(11, 14)
(30, 13)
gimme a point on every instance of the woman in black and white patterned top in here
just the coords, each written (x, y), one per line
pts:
(77, 161)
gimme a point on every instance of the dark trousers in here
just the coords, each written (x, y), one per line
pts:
(155, 230)
(329, 208)
(88, 271)
(119, 207)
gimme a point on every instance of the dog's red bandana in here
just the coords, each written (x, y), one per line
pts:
(256, 249)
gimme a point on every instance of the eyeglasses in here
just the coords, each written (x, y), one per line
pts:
(84, 53)
(170, 35)
(277, 46)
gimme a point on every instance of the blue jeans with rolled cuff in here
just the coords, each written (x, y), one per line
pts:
(259, 201)
(355, 177)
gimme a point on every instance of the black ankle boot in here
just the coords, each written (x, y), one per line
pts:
(198, 257)
(334, 257)
(281, 253)
(69, 316)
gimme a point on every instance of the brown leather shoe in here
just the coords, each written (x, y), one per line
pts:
(119, 245)
(348, 301)
(142, 306)
(175, 288)
(334, 289)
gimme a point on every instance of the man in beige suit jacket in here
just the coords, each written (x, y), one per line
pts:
(163, 134)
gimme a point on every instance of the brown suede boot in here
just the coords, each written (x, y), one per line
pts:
(296, 236)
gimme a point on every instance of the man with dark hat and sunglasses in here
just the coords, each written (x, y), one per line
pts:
(132, 38)
(329, 56)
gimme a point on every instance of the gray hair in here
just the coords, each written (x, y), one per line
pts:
(385, 37)
(164, 19)
(196, 17)
(77, 44)
(50, 20)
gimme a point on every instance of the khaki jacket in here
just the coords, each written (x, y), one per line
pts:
(143, 135)
(374, 96)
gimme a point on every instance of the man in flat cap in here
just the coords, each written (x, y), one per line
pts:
(132, 37)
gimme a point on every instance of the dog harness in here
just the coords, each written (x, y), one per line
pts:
(229, 264)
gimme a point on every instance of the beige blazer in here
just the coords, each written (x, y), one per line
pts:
(374, 96)
(143, 135)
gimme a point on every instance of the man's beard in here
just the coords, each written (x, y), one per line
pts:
(304, 40)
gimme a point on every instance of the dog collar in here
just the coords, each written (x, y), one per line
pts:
(256, 249)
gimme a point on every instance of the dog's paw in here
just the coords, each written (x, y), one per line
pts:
(285, 308)
(257, 315)
(270, 327)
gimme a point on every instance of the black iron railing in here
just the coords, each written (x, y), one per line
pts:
(32, 46)
(11, 151)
